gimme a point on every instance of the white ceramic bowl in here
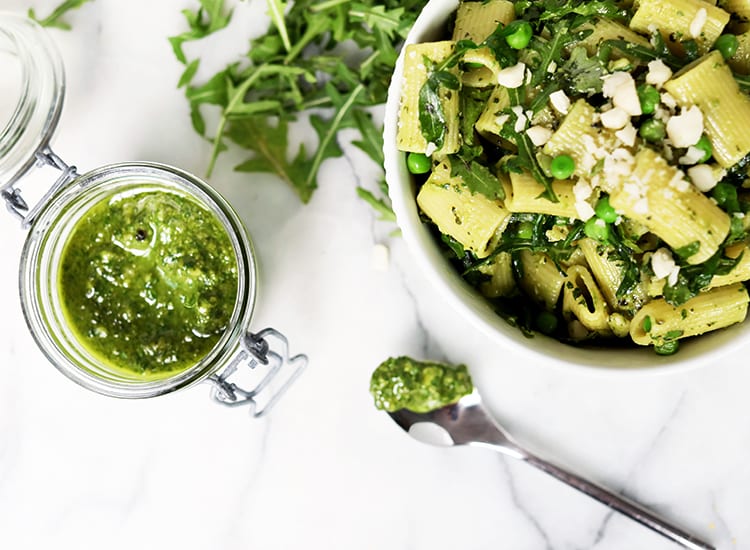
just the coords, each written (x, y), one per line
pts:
(459, 295)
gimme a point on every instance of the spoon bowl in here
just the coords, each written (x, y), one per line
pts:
(468, 422)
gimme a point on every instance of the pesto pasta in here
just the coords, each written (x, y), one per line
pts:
(589, 163)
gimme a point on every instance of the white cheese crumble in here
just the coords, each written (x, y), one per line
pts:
(512, 77)
(641, 206)
(584, 210)
(696, 25)
(620, 87)
(615, 118)
(627, 135)
(560, 101)
(692, 155)
(704, 177)
(501, 120)
(686, 128)
(664, 265)
(582, 190)
(431, 148)
(380, 257)
(539, 135)
(552, 67)
(658, 73)
(520, 118)
(679, 182)
(668, 100)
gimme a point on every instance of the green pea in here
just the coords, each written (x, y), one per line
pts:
(520, 35)
(649, 98)
(704, 145)
(668, 347)
(562, 167)
(604, 210)
(652, 130)
(727, 45)
(596, 229)
(418, 163)
(525, 230)
(546, 322)
(725, 195)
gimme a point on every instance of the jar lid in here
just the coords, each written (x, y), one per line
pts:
(31, 94)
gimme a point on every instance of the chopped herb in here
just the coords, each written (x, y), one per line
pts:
(477, 177)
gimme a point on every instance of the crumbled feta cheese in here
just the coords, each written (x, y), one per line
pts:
(679, 182)
(431, 148)
(539, 135)
(703, 177)
(627, 135)
(512, 77)
(615, 118)
(664, 265)
(520, 118)
(501, 120)
(380, 257)
(620, 87)
(560, 101)
(641, 206)
(696, 25)
(618, 163)
(692, 155)
(658, 73)
(686, 128)
(582, 190)
(668, 100)
(552, 67)
(584, 210)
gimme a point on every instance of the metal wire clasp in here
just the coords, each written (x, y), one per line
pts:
(12, 195)
(257, 351)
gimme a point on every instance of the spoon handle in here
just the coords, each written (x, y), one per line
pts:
(621, 504)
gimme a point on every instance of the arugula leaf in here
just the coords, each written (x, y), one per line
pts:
(379, 205)
(326, 61)
(583, 74)
(477, 177)
(270, 145)
(694, 278)
(54, 19)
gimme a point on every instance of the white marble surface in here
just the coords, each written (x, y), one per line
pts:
(326, 470)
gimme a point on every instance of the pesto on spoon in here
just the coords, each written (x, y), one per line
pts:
(419, 386)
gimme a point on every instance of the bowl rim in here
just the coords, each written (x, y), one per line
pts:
(460, 296)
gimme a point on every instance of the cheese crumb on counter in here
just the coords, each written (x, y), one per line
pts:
(380, 257)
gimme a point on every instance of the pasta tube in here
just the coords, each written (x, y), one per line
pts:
(471, 218)
(524, 195)
(679, 20)
(657, 195)
(583, 300)
(711, 310)
(409, 130)
(541, 279)
(709, 84)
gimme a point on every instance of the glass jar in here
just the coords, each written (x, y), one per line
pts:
(24, 147)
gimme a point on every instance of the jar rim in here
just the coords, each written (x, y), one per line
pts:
(49, 230)
(37, 112)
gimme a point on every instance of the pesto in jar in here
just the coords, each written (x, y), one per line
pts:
(148, 281)
(420, 386)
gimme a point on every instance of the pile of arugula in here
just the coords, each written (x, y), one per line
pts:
(330, 60)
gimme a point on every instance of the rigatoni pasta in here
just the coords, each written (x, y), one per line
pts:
(590, 184)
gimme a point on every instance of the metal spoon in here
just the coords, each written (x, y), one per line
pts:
(467, 422)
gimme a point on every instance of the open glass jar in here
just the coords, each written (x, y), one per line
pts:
(136, 279)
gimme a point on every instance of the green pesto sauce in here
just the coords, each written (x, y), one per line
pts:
(403, 383)
(148, 282)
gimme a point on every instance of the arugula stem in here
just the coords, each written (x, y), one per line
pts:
(331, 133)
(323, 6)
(312, 32)
(276, 11)
(237, 98)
